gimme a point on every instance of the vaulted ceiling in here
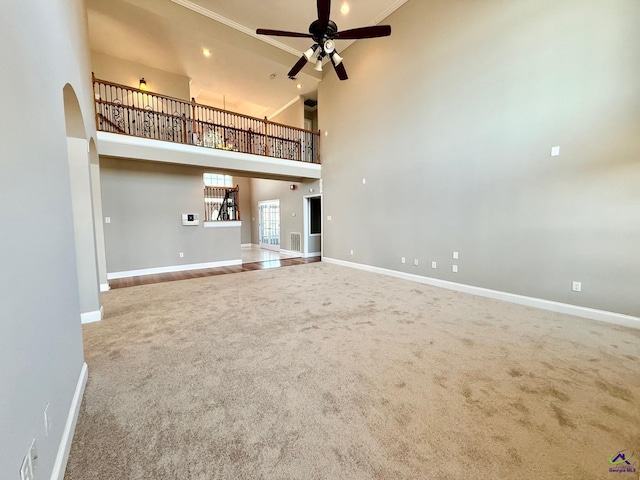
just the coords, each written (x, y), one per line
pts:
(171, 34)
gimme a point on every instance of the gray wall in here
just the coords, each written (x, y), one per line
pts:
(245, 207)
(145, 202)
(41, 341)
(117, 70)
(453, 136)
(293, 115)
(291, 206)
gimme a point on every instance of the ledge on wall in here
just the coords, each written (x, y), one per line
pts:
(125, 146)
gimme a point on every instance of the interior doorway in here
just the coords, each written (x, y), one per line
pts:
(269, 224)
(312, 209)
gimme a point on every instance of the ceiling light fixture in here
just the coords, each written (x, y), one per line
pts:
(329, 46)
(318, 67)
(337, 59)
(143, 84)
(309, 54)
(298, 86)
(206, 52)
(344, 8)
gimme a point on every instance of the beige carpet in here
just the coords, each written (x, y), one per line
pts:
(323, 372)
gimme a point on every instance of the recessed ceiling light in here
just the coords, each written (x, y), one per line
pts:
(344, 8)
(206, 52)
(298, 86)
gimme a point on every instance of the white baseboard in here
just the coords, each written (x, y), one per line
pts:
(90, 317)
(62, 457)
(590, 313)
(290, 252)
(246, 245)
(175, 268)
(104, 287)
(314, 254)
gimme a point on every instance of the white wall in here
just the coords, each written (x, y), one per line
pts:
(41, 343)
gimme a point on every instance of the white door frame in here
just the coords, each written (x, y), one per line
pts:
(305, 219)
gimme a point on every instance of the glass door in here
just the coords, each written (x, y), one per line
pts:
(269, 224)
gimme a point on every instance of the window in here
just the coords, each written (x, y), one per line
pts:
(220, 198)
(217, 180)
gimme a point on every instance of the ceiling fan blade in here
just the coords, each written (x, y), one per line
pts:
(324, 11)
(297, 67)
(364, 32)
(282, 33)
(340, 70)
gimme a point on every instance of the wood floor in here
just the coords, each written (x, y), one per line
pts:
(206, 272)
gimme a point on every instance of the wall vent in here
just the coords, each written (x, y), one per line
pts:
(296, 239)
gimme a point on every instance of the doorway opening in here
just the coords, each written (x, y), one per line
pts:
(312, 225)
(269, 224)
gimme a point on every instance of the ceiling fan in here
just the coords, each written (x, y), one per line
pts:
(324, 31)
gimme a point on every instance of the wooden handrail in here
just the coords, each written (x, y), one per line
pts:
(106, 120)
(190, 112)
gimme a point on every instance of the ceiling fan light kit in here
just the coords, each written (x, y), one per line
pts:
(324, 31)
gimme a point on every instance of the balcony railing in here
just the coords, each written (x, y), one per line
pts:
(130, 111)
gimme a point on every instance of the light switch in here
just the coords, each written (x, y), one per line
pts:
(107, 219)
(555, 151)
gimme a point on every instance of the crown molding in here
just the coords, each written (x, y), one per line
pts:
(194, 7)
(392, 8)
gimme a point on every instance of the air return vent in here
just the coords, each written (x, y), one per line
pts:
(311, 103)
(295, 242)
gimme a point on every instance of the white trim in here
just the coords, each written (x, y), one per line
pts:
(290, 252)
(282, 109)
(104, 287)
(90, 317)
(247, 245)
(313, 254)
(392, 8)
(222, 224)
(241, 28)
(108, 144)
(174, 268)
(62, 457)
(590, 313)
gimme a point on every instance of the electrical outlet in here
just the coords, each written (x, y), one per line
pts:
(415, 262)
(350, 252)
(107, 219)
(403, 260)
(455, 255)
(181, 254)
(434, 265)
(454, 268)
(576, 286)
(329, 217)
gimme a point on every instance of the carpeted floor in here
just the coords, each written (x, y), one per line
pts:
(323, 372)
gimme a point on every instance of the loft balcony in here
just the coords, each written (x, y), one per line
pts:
(134, 123)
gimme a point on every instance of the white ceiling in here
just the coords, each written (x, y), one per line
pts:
(170, 35)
